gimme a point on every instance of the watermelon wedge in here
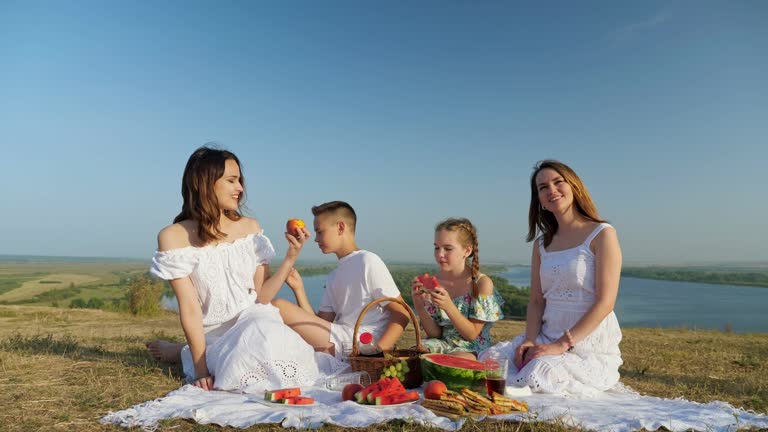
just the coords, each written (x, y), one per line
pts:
(429, 282)
(455, 372)
(397, 398)
(362, 396)
(394, 386)
(298, 400)
(276, 395)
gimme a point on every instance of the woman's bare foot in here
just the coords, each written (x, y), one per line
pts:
(164, 351)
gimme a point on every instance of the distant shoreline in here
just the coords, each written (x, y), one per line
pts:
(737, 275)
(753, 274)
(22, 259)
(753, 277)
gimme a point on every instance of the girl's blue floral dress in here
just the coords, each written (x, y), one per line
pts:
(483, 308)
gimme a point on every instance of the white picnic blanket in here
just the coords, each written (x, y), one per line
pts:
(617, 410)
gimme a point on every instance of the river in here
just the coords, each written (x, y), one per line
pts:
(645, 302)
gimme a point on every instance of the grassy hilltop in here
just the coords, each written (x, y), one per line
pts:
(62, 368)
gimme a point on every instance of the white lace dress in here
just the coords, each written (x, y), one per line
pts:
(248, 347)
(568, 284)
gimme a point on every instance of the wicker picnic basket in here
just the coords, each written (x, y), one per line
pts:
(375, 364)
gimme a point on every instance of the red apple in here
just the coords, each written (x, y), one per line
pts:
(434, 389)
(293, 226)
(349, 391)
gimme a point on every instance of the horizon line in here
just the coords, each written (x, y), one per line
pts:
(638, 263)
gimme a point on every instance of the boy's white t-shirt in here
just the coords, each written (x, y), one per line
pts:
(360, 278)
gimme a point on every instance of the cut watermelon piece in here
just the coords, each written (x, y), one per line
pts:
(298, 400)
(388, 392)
(429, 282)
(393, 386)
(276, 395)
(391, 383)
(397, 398)
(361, 396)
(455, 372)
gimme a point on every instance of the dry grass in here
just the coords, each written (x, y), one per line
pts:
(64, 369)
(698, 365)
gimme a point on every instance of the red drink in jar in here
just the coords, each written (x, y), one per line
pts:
(496, 373)
(495, 385)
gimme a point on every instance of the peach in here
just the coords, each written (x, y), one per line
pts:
(434, 389)
(294, 225)
(349, 391)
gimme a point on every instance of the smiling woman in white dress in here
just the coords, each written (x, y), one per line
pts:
(217, 263)
(571, 339)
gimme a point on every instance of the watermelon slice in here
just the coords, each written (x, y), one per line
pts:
(455, 372)
(429, 282)
(362, 395)
(393, 386)
(276, 395)
(397, 398)
(298, 400)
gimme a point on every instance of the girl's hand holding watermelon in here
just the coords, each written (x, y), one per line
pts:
(442, 299)
(423, 286)
(431, 291)
(418, 291)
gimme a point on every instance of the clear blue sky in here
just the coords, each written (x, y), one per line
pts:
(411, 111)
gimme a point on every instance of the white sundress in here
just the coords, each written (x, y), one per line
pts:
(248, 346)
(568, 285)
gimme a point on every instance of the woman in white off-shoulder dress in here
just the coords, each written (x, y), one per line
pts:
(217, 263)
(571, 340)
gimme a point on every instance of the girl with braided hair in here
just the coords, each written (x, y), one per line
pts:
(457, 315)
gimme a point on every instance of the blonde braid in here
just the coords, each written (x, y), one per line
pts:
(475, 268)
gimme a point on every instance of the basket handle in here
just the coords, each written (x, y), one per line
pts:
(356, 349)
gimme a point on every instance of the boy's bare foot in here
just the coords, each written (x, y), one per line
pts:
(164, 351)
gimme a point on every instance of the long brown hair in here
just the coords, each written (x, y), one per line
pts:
(467, 234)
(204, 167)
(545, 221)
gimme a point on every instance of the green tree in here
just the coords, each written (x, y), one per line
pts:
(94, 303)
(77, 303)
(144, 295)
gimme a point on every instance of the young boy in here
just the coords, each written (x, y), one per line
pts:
(360, 278)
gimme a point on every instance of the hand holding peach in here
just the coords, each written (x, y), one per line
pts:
(294, 225)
